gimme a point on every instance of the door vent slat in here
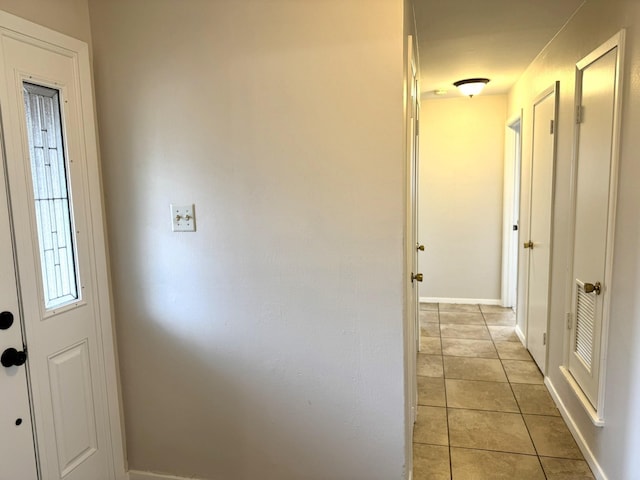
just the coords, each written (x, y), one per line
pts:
(585, 322)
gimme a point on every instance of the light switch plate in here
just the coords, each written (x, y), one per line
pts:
(183, 218)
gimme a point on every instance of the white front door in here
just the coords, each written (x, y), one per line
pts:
(539, 244)
(55, 285)
(17, 453)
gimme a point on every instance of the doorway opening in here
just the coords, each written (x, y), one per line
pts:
(511, 212)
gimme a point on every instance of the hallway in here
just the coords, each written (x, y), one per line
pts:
(484, 412)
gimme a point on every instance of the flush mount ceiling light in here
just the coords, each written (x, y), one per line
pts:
(471, 86)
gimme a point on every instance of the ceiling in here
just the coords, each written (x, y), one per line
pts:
(495, 39)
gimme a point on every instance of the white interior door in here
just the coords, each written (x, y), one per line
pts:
(511, 213)
(593, 219)
(539, 244)
(48, 155)
(415, 202)
(412, 223)
(515, 223)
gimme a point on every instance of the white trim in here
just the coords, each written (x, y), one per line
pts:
(140, 475)
(521, 335)
(462, 301)
(602, 50)
(517, 118)
(596, 419)
(619, 40)
(575, 431)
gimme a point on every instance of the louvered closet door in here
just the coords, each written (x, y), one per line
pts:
(592, 217)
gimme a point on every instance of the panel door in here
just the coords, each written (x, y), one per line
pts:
(592, 219)
(415, 175)
(414, 310)
(512, 294)
(542, 174)
(46, 161)
(17, 451)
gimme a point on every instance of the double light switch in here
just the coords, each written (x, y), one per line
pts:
(183, 218)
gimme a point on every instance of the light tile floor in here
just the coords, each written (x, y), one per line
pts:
(484, 412)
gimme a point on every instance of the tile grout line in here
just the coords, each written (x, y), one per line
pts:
(511, 389)
(535, 449)
(446, 401)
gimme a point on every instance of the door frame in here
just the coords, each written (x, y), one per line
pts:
(616, 41)
(511, 201)
(12, 26)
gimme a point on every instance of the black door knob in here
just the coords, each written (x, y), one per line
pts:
(11, 357)
(6, 320)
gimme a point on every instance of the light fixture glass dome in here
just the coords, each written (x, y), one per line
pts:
(471, 86)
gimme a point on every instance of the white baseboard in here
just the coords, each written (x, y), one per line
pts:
(139, 475)
(465, 301)
(577, 435)
(521, 336)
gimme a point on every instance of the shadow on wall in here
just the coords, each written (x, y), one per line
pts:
(227, 410)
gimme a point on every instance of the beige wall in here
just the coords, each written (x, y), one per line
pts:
(615, 447)
(268, 344)
(70, 17)
(461, 184)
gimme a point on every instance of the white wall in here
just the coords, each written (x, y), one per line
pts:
(461, 184)
(615, 447)
(268, 344)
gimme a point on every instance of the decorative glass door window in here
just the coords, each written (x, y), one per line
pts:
(51, 195)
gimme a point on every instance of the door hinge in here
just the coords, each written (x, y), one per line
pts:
(579, 113)
(552, 126)
(544, 338)
(569, 322)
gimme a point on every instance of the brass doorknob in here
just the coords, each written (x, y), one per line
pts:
(528, 244)
(417, 276)
(590, 288)
(420, 247)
